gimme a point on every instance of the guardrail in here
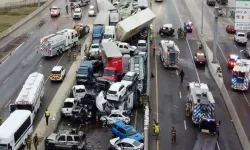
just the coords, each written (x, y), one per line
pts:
(219, 81)
(24, 20)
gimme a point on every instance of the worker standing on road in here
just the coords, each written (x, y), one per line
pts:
(188, 107)
(154, 127)
(157, 130)
(173, 134)
(79, 49)
(69, 55)
(185, 33)
(1, 121)
(74, 55)
(47, 115)
(67, 9)
(154, 48)
(28, 142)
(182, 74)
(35, 141)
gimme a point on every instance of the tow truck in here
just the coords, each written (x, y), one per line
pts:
(240, 75)
(232, 60)
(202, 102)
(208, 135)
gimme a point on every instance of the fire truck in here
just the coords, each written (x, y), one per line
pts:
(240, 75)
(232, 58)
(202, 102)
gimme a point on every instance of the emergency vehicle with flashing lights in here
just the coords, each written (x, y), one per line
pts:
(54, 11)
(188, 26)
(232, 60)
(240, 75)
(200, 58)
(31, 94)
(58, 73)
(169, 54)
(202, 102)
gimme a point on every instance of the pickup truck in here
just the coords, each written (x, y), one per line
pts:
(240, 38)
(125, 48)
(67, 139)
(94, 49)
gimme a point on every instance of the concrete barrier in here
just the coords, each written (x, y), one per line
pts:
(20, 3)
(220, 83)
(24, 20)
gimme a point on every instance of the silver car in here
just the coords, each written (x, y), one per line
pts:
(126, 143)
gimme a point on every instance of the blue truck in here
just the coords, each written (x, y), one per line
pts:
(101, 21)
(87, 71)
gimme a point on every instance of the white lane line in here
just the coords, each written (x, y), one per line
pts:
(5, 59)
(222, 52)
(180, 95)
(235, 46)
(198, 78)
(7, 104)
(185, 126)
(17, 48)
(177, 72)
(23, 61)
(218, 146)
(176, 106)
(5, 80)
(55, 65)
(36, 46)
(40, 61)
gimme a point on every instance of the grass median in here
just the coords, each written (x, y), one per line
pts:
(10, 16)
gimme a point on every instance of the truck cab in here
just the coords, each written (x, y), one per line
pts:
(109, 34)
(97, 34)
(84, 72)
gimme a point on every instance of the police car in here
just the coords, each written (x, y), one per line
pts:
(58, 73)
(200, 58)
(188, 26)
(232, 60)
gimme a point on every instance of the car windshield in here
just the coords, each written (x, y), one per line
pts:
(3, 147)
(109, 73)
(67, 105)
(141, 44)
(77, 11)
(54, 8)
(241, 35)
(91, 9)
(136, 143)
(112, 92)
(80, 90)
(131, 132)
(128, 78)
(95, 46)
(200, 57)
(56, 72)
(108, 36)
(24, 107)
(82, 71)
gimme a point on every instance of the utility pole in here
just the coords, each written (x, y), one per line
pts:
(202, 11)
(216, 9)
(38, 3)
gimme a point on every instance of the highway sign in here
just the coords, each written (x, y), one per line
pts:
(242, 15)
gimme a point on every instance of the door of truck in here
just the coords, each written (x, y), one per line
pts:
(12, 108)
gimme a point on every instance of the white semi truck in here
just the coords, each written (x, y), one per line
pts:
(132, 25)
(59, 42)
(169, 54)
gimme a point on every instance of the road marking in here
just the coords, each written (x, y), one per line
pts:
(222, 52)
(55, 65)
(5, 80)
(136, 114)
(17, 48)
(218, 146)
(246, 99)
(7, 104)
(185, 126)
(23, 61)
(235, 46)
(176, 106)
(180, 94)
(40, 61)
(36, 46)
(178, 14)
(177, 72)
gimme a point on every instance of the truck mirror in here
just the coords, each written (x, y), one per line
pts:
(76, 71)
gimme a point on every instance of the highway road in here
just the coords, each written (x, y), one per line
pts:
(26, 58)
(225, 47)
(168, 95)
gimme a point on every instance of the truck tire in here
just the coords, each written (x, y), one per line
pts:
(74, 147)
(51, 147)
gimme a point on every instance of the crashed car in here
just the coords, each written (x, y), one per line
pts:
(166, 30)
(232, 60)
(102, 84)
(67, 139)
(81, 30)
(246, 52)
(127, 143)
(188, 26)
(116, 115)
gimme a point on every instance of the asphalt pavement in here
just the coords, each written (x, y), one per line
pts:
(168, 95)
(26, 58)
(225, 47)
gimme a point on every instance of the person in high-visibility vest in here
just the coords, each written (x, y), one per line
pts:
(157, 130)
(1, 121)
(173, 134)
(28, 143)
(154, 127)
(47, 115)
(188, 107)
(74, 55)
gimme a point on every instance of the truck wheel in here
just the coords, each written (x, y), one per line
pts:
(74, 147)
(51, 147)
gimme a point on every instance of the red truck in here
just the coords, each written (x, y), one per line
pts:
(113, 61)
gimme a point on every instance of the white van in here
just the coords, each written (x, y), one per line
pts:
(15, 130)
(31, 94)
(109, 34)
